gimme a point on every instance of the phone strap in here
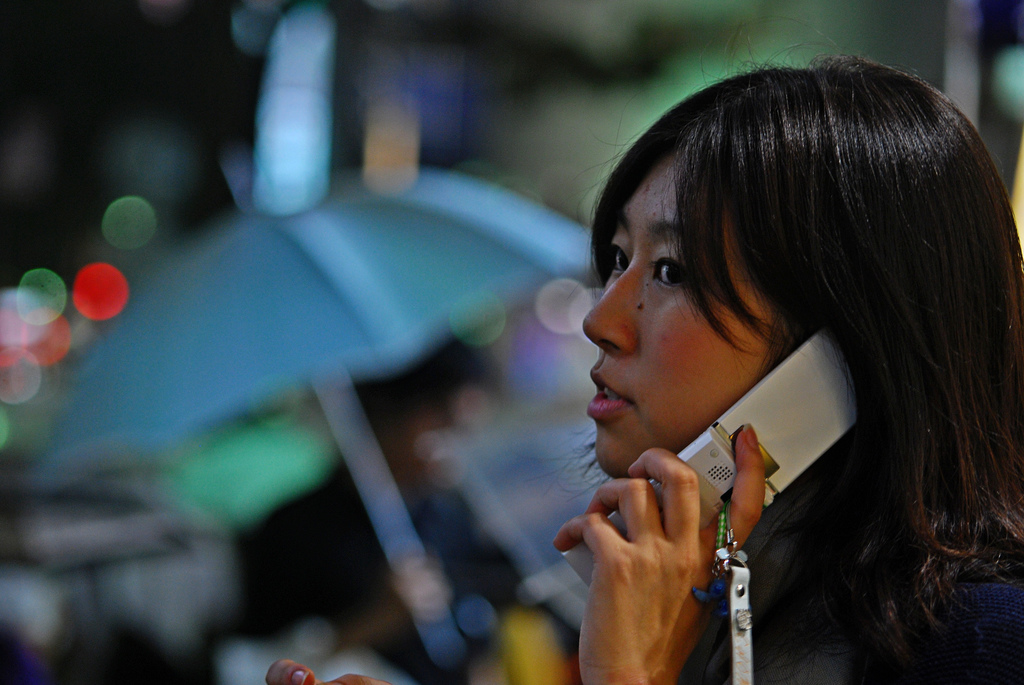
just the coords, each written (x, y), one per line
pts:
(733, 576)
(741, 625)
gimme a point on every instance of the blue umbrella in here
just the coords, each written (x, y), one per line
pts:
(360, 288)
(366, 284)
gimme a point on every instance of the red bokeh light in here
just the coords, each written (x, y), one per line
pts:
(54, 344)
(100, 291)
(45, 345)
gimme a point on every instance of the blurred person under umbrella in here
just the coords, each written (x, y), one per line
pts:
(349, 587)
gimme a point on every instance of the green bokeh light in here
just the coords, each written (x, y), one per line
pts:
(41, 297)
(479, 321)
(241, 475)
(129, 222)
(1008, 81)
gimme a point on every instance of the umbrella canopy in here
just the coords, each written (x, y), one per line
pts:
(365, 284)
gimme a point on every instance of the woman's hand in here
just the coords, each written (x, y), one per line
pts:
(641, 620)
(287, 672)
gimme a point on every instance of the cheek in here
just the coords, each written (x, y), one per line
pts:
(686, 355)
(697, 380)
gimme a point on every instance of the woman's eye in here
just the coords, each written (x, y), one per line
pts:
(619, 260)
(668, 272)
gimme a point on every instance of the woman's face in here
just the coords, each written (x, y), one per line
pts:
(663, 375)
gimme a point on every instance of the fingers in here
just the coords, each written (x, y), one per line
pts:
(568, 536)
(636, 503)
(680, 490)
(287, 672)
(634, 499)
(679, 514)
(579, 528)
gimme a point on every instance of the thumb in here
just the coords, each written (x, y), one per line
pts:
(748, 490)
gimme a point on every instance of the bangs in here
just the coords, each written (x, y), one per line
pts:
(708, 243)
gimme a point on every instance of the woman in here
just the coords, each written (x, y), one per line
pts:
(856, 199)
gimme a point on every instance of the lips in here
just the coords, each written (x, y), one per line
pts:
(606, 403)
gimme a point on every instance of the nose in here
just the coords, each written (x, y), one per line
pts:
(611, 323)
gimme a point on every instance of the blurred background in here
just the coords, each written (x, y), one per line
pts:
(290, 299)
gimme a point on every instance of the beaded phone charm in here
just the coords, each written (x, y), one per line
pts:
(730, 591)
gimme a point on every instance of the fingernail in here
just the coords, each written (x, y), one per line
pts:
(299, 677)
(750, 435)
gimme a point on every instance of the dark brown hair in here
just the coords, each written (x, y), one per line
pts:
(863, 202)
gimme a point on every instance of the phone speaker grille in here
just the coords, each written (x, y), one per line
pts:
(720, 473)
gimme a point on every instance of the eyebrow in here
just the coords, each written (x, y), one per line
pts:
(660, 229)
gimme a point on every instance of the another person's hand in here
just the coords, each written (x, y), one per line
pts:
(287, 672)
(641, 620)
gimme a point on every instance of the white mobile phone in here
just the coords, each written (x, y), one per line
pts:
(799, 410)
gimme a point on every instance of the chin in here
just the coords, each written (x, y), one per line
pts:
(614, 462)
(616, 456)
